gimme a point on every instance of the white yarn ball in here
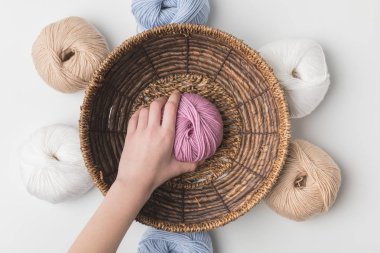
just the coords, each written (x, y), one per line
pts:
(51, 164)
(301, 68)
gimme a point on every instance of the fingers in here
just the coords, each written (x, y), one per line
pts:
(155, 112)
(170, 110)
(143, 118)
(152, 116)
(132, 123)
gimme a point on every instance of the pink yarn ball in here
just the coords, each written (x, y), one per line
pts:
(199, 129)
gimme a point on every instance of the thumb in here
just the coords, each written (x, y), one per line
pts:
(183, 167)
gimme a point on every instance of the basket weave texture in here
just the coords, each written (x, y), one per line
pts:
(224, 70)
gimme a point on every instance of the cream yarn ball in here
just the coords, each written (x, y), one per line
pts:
(67, 52)
(301, 68)
(51, 164)
(308, 183)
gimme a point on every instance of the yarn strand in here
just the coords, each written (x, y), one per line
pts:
(301, 68)
(308, 184)
(152, 13)
(66, 53)
(199, 129)
(160, 241)
(52, 166)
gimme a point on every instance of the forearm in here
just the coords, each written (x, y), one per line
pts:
(108, 225)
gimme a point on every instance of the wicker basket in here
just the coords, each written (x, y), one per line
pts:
(228, 73)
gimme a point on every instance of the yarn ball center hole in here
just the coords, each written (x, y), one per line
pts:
(300, 181)
(67, 54)
(168, 5)
(54, 156)
(190, 130)
(295, 73)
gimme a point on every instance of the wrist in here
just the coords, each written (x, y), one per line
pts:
(135, 187)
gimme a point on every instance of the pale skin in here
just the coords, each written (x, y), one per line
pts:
(146, 162)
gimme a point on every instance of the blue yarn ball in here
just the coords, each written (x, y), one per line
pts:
(160, 241)
(152, 13)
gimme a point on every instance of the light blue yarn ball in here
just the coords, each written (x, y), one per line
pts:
(159, 241)
(152, 13)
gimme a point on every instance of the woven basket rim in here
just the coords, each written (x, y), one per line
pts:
(253, 57)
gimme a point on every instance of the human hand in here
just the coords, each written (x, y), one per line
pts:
(147, 160)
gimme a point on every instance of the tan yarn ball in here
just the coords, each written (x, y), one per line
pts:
(308, 183)
(67, 52)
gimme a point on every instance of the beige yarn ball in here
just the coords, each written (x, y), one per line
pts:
(67, 52)
(308, 183)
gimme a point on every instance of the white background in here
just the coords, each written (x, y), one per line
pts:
(346, 124)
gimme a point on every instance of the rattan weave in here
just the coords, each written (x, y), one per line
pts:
(216, 65)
